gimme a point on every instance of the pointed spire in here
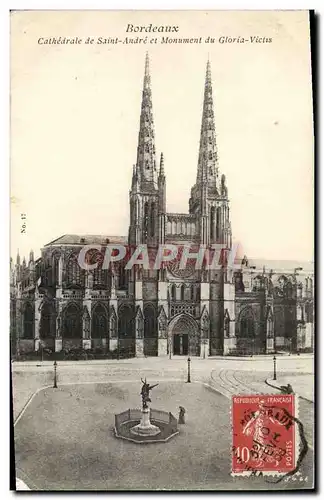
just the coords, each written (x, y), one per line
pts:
(161, 173)
(31, 256)
(207, 161)
(18, 258)
(146, 163)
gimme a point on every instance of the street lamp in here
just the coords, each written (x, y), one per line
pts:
(189, 380)
(274, 368)
(55, 375)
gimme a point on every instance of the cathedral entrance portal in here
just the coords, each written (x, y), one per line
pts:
(180, 344)
(184, 333)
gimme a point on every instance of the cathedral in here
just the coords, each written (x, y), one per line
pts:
(173, 311)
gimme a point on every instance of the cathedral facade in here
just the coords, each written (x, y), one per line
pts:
(246, 309)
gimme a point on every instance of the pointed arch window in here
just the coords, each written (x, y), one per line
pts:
(72, 325)
(47, 321)
(99, 322)
(173, 292)
(212, 222)
(247, 323)
(152, 219)
(150, 323)
(74, 272)
(218, 222)
(29, 317)
(182, 292)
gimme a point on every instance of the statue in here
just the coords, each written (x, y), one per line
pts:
(181, 418)
(145, 393)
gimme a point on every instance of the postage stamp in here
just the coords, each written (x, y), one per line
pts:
(264, 437)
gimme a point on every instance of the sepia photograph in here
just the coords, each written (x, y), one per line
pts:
(162, 288)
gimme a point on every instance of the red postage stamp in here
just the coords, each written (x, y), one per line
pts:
(263, 434)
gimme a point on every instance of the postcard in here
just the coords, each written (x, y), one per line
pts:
(162, 325)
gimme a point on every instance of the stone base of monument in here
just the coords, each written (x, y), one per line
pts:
(145, 428)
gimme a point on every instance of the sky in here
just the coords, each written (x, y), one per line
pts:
(75, 118)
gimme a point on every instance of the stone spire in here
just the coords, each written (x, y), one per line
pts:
(146, 162)
(18, 258)
(161, 173)
(208, 160)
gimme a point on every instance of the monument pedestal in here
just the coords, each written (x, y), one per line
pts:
(145, 428)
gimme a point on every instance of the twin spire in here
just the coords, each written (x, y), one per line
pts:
(145, 171)
(146, 160)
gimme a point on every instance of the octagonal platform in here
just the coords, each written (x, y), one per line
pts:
(128, 420)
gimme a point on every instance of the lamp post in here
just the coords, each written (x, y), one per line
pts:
(188, 379)
(55, 375)
(274, 368)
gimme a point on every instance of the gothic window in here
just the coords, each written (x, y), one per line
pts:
(173, 292)
(122, 277)
(99, 322)
(47, 321)
(136, 209)
(126, 322)
(152, 221)
(74, 272)
(212, 222)
(55, 268)
(192, 292)
(218, 223)
(182, 292)
(72, 326)
(100, 278)
(29, 322)
(150, 326)
(246, 323)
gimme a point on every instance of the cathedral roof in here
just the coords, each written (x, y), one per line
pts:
(87, 239)
(282, 265)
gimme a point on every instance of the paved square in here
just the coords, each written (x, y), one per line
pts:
(65, 441)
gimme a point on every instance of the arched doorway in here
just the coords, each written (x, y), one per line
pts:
(184, 336)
